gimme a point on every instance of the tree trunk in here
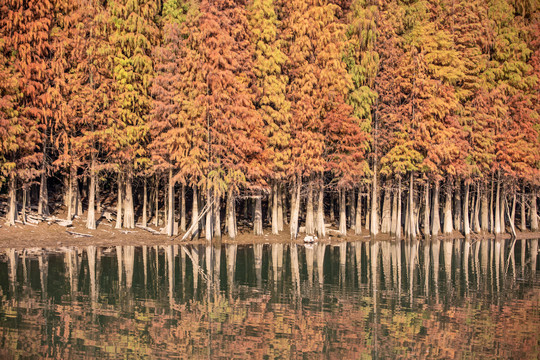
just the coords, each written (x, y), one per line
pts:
(321, 231)
(43, 202)
(257, 220)
(436, 221)
(195, 212)
(412, 224)
(466, 225)
(534, 212)
(129, 214)
(491, 222)
(498, 228)
(12, 210)
(91, 219)
(476, 221)
(342, 212)
(358, 220)
(332, 208)
(457, 207)
(275, 227)
(374, 225)
(78, 199)
(156, 201)
(485, 209)
(368, 207)
(513, 213)
(99, 208)
(310, 216)
(448, 225)
(386, 212)
(71, 194)
(501, 210)
(217, 215)
(397, 230)
(24, 201)
(183, 207)
(145, 202)
(119, 203)
(393, 222)
(295, 206)
(280, 206)
(209, 223)
(231, 216)
(170, 208)
(426, 210)
(352, 207)
(523, 216)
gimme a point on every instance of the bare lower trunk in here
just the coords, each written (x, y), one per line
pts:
(352, 207)
(498, 228)
(231, 215)
(257, 221)
(119, 203)
(426, 210)
(217, 215)
(485, 210)
(183, 207)
(129, 214)
(43, 202)
(195, 212)
(448, 225)
(358, 221)
(91, 219)
(523, 216)
(156, 201)
(466, 225)
(275, 227)
(386, 215)
(534, 212)
(145, 202)
(332, 208)
(513, 213)
(342, 212)
(374, 224)
(393, 223)
(24, 201)
(491, 222)
(412, 224)
(295, 206)
(436, 221)
(476, 222)
(72, 203)
(280, 207)
(457, 207)
(209, 231)
(321, 231)
(12, 209)
(310, 216)
(170, 208)
(368, 207)
(99, 208)
(397, 231)
(501, 210)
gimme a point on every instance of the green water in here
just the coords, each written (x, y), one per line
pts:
(440, 299)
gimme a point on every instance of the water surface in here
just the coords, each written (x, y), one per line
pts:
(435, 299)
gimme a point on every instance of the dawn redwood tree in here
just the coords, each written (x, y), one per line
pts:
(133, 35)
(271, 101)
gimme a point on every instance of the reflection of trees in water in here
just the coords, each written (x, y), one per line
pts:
(257, 317)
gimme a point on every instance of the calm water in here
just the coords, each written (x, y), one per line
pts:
(441, 299)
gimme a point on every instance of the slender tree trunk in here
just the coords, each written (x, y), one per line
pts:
(321, 231)
(129, 214)
(457, 207)
(523, 215)
(12, 210)
(398, 223)
(170, 208)
(448, 226)
(498, 228)
(295, 206)
(195, 212)
(91, 219)
(386, 214)
(217, 215)
(501, 210)
(231, 218)
(280, 206)
(476, 221)
(485, 209)
(257, 221)
(393, 223)
(275, 227)
(374, 225)
(342, 212)
(466, 225)
(332, 208)
(513, 213)
(209, 223)
(534, 211)
(119, 203)
(436, 221)
(310, 216)
(145, 202)
(426, 210)
(156, 201)
(71, 194)
(368, 207)
(358, 221)
(24, 200)
(43, 202)
(353, 207)
(491, 222)
(183, 207)
(78, 199)
(412, 224)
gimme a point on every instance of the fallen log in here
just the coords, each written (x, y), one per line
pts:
(78, 234)
(150, 230)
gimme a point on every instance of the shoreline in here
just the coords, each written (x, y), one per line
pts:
(44, 235)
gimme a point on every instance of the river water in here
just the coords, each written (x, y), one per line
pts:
(433, 299)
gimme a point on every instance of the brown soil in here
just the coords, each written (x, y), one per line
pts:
(53, 235)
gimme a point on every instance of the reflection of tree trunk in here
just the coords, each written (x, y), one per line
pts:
(309, 263)
(119, 259)
(170, 272)
(258, 253)
(258, 221)
(13, 259)
(320, 248)
(91, 254)
(295, 269)
(534, 252)
(145, 264)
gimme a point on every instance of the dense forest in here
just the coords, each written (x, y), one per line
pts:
(408, 117)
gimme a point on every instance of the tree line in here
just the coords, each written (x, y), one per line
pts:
(408, 117)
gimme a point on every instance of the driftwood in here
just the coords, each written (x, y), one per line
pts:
(191, 229)
(25, 223)
(127, 232)
(150, 230)
(78, 234)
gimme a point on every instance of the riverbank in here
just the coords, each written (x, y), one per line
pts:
(51, 235)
